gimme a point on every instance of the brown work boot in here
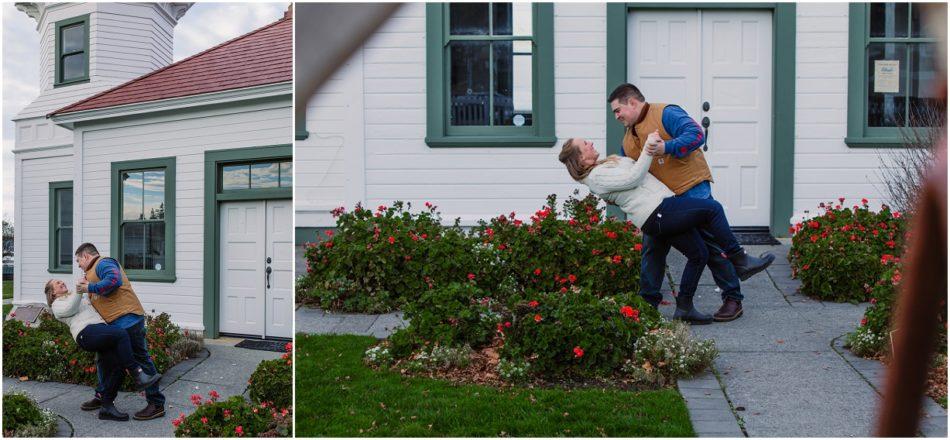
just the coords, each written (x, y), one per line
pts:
(731, 309)
(151, 411)
(91, 404)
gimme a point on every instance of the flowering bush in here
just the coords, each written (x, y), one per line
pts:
(380, 260)
(233, 417)
(667, 353)
(47, 352)
(576, 334)
(272, 380)
(840, 255)
(454, 315)
(23, 418)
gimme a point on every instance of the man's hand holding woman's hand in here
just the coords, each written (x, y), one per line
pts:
(82, 284)
(655, 146)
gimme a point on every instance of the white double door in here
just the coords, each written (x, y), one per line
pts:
(256, 280)
(723, 58)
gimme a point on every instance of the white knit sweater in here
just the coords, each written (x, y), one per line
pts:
(76, 311)
(629, 185)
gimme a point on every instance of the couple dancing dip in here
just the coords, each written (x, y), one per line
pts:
(662, 182)
(105, 316)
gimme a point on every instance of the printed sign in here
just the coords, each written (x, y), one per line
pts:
(887, 76)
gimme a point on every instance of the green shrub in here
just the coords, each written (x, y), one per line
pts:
(380, 261)
(454, 315)
(272, 380)
(840, 255)
(577, 334)
(48, 353)
(233, 417)
(23, 418)
(668, 353)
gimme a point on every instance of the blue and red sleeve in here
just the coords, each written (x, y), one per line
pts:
(685, 133)
(110, 278)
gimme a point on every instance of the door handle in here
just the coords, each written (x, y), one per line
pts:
(267, 272)
(705, 129)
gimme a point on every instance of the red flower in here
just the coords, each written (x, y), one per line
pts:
(864, 321)
(572, 222)
(564, 290)
(227, 413)
(501, 247)
(507, 324)
(638, 247)
(890, 244)
(813, 238)
(571, 278)
(329, 232)
(873, 300)
(617, 259)
(471, 276)
(864, 202)
(896, 279)
(896, 214)
(204, 420)
(841, 199)
(381, 208)
(578, 352)
(239, 430)
(213, 395)
(611, 235)
(886, 258)
(537, 272)
(392, 239)
(805, 267)
(627, 311)
(533, 304)
(196, 399)
(537, 318)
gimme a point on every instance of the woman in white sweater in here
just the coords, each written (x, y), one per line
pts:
(93, 334)
(652, 207)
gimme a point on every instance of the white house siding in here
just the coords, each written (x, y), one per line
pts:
(186, 136)
(125, 41)
(34, 173)
(825, 167)
(470, 183)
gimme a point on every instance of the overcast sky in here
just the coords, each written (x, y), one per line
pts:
(203, 26)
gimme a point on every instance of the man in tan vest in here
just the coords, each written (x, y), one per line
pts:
(111, 294)
(680, 165)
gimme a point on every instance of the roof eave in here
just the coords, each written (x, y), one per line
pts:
(69, 119)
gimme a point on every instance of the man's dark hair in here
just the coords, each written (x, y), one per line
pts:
(87, 248)
(624, 92)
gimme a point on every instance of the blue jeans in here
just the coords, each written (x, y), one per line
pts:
(655, 251)
(110, 377)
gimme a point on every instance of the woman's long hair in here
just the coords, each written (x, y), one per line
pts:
(571, 158)
(50, 296)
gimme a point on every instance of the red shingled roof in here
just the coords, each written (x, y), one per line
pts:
(263, 56)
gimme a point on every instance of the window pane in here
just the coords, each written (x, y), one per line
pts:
(154, 195)
(133, 245)
(468, 19)
(74, 66)
(65, 251)
(265, 175)
(64, 200)
(889, 19)
(925, 106)
(920, 26)
(74, 38)
(132, 185)
(469, 82)
(512, 73)
(286, 174)
(887, 105)
(511, 19)
(154, 245)
(236, 177)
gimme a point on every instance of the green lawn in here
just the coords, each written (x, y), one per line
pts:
(337, 396)
(8, 289)
(6, 309)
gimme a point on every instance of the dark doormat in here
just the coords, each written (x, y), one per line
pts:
(754, 236)
(258, 344)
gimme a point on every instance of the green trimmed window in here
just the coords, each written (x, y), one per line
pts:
(143, 218)
(257, 175)
(60, 227)
(72, 51)
(892, 70)
(490, 74)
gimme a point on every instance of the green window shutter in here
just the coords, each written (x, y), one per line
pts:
(439, 130)
(60, 227)
(71, 63)
(148, 168)
(860, 133)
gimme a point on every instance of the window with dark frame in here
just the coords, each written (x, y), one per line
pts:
(893, 79)
(257, 175)
(72, 50)
(61, 226)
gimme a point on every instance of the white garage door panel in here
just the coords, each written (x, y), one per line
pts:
(687, 57)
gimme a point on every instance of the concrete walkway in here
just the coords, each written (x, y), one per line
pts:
(221, 367)
(781, 371)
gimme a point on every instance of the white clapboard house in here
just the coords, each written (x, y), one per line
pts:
(181, 171)
(466, 105)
